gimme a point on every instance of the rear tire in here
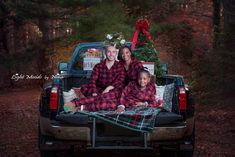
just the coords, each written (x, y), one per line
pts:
(186, 153)
(189, 153)
(56, 153)
(41, 141)
(51, 152)
(168, 153)
(176, 152)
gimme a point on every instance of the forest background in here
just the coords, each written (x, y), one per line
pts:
(194, 37)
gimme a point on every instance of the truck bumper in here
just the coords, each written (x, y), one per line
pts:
(84, 134)
(64, 132)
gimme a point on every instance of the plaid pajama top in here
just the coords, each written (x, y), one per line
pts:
(132, 94)
(103, 77)
(132, 72)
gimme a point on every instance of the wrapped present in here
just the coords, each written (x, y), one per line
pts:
(93, 52)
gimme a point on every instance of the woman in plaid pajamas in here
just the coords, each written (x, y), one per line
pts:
(131, 65)
(105, 85)
(139, 93)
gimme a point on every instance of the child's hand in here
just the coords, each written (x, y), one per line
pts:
(94, 94)
(160, 103)
(120, 109)
(138, 104)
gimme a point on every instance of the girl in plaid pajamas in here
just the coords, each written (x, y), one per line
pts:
(105, 85)
(131, 65)
(140, 93)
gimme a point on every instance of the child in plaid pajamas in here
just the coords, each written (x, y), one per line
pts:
(140, 93)
(131, 65)
(105, 85)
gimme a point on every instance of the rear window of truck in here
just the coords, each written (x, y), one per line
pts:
(88, 57)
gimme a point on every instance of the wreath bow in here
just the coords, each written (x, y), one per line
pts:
(143, 26)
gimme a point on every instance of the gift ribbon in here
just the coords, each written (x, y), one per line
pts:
(141, 25)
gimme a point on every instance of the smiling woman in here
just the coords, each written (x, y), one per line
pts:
(131, 65)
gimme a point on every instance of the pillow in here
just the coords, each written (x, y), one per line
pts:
(159, 94)
(69, 96)
(164, 95)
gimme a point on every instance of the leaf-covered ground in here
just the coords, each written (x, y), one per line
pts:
(215, 126)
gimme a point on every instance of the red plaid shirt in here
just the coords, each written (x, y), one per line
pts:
(132, 73)
(103, 77)
(132, 94)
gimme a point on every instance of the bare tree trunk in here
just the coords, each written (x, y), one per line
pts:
(43, 62)
(5, 48)
(229, 22)
(216, 21)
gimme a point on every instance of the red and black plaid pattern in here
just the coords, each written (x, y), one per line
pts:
(132, 73)
(103, 77)
(107, 101)
(132, 94)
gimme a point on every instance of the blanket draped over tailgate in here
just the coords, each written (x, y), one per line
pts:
(140, 119)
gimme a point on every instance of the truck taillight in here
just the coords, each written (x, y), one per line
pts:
(54, 96)
(182, 98)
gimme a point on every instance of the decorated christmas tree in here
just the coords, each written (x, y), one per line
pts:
(143, 46)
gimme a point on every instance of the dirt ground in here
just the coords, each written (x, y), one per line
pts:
(215, 126)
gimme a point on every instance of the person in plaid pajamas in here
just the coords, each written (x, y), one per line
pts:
(140, 93)
(131, 64)
(104, 88)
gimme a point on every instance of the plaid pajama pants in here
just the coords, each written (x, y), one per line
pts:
(107, 101)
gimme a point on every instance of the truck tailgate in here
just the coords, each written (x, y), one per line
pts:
(163, 118)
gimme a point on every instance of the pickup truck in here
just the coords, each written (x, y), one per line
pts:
(173, 133)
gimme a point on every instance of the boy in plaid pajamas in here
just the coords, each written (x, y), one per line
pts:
(105, 85)
(131, 65)
(141, 93)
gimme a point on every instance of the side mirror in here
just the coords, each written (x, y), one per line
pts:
(63, 68)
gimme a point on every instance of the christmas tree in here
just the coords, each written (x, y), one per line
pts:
(143, 46)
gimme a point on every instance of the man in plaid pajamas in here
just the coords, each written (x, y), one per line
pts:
(141, 93)
(105, 85)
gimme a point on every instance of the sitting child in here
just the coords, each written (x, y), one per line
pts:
(140, 93)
